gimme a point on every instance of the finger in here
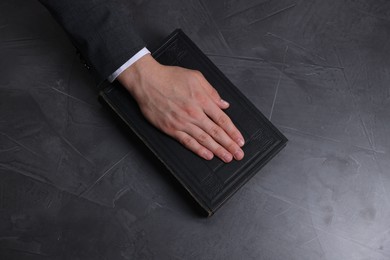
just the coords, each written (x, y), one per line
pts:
(209, 143)
(217, 134)
(222, 120)
(214, 95)
(191, 144)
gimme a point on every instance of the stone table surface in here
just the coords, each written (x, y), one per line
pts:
(75, 185)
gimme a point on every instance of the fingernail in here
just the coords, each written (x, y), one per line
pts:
(239, 154)
(225, 103)
(208, 155)
(240, 142)
(227, 157)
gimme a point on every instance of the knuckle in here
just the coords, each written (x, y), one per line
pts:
(201, 98)
(215, 131)
(169, 124)
(167, 127)
(187, 141)
(192, 113)
(174, 117)
(166, 124)
(214, 92)
(202, 138)
(198, 78)
(222, 120)
(215, 96)
(197, 74)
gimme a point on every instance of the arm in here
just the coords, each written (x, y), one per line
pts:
(101, 30)
(178, 101)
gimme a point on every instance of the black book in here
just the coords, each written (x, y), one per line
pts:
(210, 183)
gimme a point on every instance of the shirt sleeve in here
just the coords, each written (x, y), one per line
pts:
(128, 63)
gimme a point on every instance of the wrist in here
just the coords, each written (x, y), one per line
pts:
(132, 77)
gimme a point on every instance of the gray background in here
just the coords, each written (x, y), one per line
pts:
(75, 185)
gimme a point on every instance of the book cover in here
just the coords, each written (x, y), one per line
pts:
(213, 182)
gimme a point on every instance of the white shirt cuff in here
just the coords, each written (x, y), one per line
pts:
(128, 63)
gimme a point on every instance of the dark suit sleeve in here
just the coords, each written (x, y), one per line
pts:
(101, 30)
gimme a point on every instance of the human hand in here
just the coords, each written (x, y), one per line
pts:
(181, 103)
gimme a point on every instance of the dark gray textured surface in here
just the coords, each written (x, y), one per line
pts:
(73, 185)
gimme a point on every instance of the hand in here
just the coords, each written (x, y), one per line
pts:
(182, 104)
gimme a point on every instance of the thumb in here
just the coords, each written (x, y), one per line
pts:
(214, 95)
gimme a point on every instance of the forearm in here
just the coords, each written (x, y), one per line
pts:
(101, 30)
